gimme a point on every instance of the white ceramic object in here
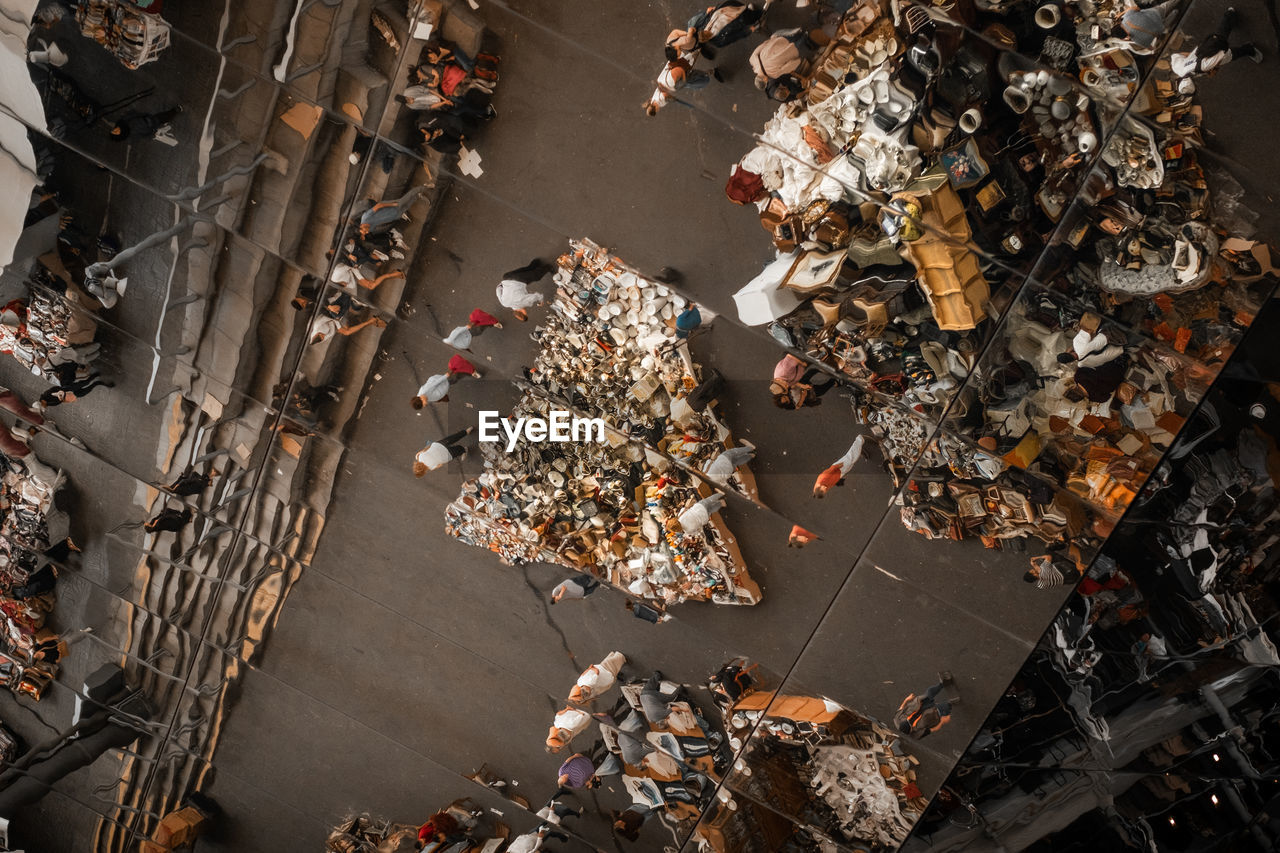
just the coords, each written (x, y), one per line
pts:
(1017, 99)
(1048, 16)
(970, 120)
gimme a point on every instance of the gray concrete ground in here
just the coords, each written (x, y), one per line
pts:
(404, 659)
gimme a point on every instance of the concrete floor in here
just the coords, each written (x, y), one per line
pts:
(404, 659)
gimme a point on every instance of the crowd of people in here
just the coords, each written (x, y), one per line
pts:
(35, 543)
(452, 94)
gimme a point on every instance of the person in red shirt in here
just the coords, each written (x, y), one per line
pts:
(459, 366)
(437, 828)
(479, 319)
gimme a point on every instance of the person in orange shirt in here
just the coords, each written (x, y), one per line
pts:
(800, 537)
(839, 469)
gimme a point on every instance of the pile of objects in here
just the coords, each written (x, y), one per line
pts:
(654, 737)
(609, 351)
(919, 176)
(133, 36)
(364, 834)
(50, 331)
(850, 770)
(29, 525)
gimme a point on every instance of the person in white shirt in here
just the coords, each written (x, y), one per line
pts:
(569, 722)
(440, 453)
(326, 326)
(1212, 53)
(529, 842)
(693, 519)
(348, 277)
(513, 290)
(719, 470)
(678, 73)
(597, 678)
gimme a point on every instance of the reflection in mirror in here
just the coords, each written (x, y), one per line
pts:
(811, 758)
(1156, 682)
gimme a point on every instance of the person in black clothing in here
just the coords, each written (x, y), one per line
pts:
(169, 521)
(190, 483)
(628, 823)
(1216, 50)
(706, 392)
(142, 125)
(646, 611)
(443, 131)
(70, 387)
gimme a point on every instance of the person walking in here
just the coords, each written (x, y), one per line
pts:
(834, 476)
(569, 722)
(462, 336)
(677, 74)
(439, 453)
(190, 482)
(459, 367)
(326, 326)
(723, 24)
(1212, 53)
(513, 289)
(577, 771)
(596, 679)
(793, 387)
(479, 320)
(436, 388)
(921, 716)
(645, 611)
(575, 588)
(71, 391)
(383, 214)
(697, 516)
(143, 125)
(553, 814)
(799, 537)
(169, 520)
(348, 277)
